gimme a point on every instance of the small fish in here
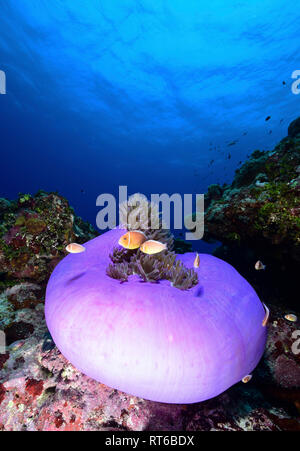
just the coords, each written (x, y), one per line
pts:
(266, 317)
(197, 261)
(268, 118)
(229, 156)
(291, 317)
(284, 83)
(75, 248)
(247, 378)
(232, 143)
(152, 247)
(259, 265)
(132, 240)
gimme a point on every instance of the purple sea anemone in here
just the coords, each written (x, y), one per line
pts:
(154, 340)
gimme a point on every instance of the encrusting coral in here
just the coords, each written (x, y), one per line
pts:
(257, 217)
(139, 213)
(34, 232)
(262, 205)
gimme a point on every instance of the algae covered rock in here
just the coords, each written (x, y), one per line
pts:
(34, 232)
(261, 208)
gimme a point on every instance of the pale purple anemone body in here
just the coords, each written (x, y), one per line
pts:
(153, 340)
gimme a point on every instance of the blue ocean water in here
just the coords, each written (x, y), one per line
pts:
(164, 97)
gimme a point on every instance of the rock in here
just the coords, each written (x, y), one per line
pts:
(18, 331)
(34, 233)
(281, 359)
(5, 205)
(294, 128)
(214, 192)
(6, 312)
(261, 208)
(20, 296)
(252, 168)
(258, 218)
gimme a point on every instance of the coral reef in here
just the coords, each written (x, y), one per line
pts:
(41, 390)
(257, 217)
(282, 362)
(34, 232)
(262, 205)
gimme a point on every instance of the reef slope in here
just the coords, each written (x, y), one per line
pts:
(34, 232)
(261, 208)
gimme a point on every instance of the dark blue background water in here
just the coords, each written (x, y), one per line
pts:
(102, 93)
